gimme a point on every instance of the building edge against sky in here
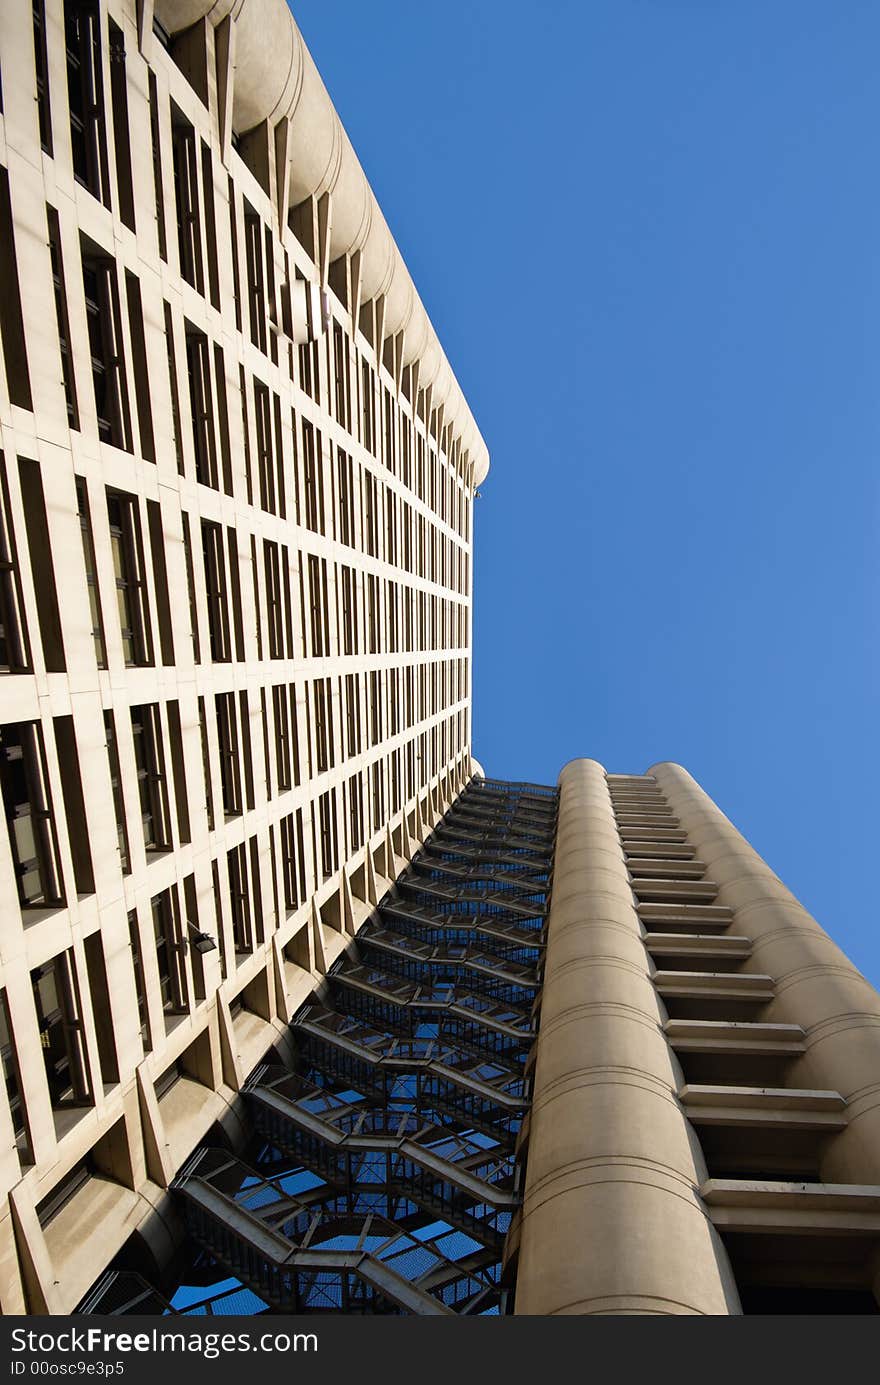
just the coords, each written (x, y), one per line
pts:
(236, 592)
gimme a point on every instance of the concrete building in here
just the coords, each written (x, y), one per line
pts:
(588, 1056)
(704, 1134)
(291, 995)
(235, 566)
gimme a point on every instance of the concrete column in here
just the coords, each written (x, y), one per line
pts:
(612, 1220)
(816, 984)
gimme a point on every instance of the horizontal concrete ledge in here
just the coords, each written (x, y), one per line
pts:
(654, 911)
(715, 984)
(796, 1208)
(661, 851)
(734, 1036)
(698, 945)
(647, 832)
(701, 891)
(788, 1107)
(661, 869)
(635, 819)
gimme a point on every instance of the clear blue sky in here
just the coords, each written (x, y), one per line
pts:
(648, 233)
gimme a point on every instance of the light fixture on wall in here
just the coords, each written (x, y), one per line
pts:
(199, 941)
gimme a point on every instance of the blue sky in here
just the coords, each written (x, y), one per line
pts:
(648, 233)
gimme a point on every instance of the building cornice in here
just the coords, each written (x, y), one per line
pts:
(274, 80)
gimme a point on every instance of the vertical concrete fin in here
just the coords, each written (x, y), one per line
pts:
(817, 986)
(612, 1221)
(158, 1157)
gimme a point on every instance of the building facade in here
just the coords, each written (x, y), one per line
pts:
(235, 565)
(588, 1056)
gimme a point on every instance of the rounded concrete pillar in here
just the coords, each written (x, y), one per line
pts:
(612, 1221)
(816, 984)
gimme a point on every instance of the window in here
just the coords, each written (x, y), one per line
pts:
(230, 770)
(390, 527)
(215, 586)
(269, 456)
(172, 386)
(371, 515)
(160, 581)
(378, 795)
(14, 653)
(116, 786)
(157, 167)
(309, 370)
(390, 432)
(281, 718)
(245, 435)
(42, 572)
(235, 590)
(170, 952)
(64, 1192)
(393, 677)
(233, 240)
(129, 573)
(206, 764)
(323, 705)
(223, 418)
(168, 1079)
(121, 136)
(239, 898)
(289, 862)
(263, 419)
(375, 707)
(56, 1000)
(373, 613)
(11, 323)
(106, 351)
(313, 480)
(85, 93)
(85, 526)
(244, 714)
(74, 804)
(210, 225)
(178, 769)
(353, 713)
(341, 377)
(256, 286)
(61, 316)
(186, 197)
(349, 610)
(356, 810)
(29, 817)
(149, 757)
(191, 587)
(102, 1016)
(327, 833)
(201, 404)
(346, 497)
(255, 585)
(41, 64)
(319, 613)
(12, 1080)
(137, 963)
(218, 916)
(140, 366)
(368, 408)
(274, 606)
